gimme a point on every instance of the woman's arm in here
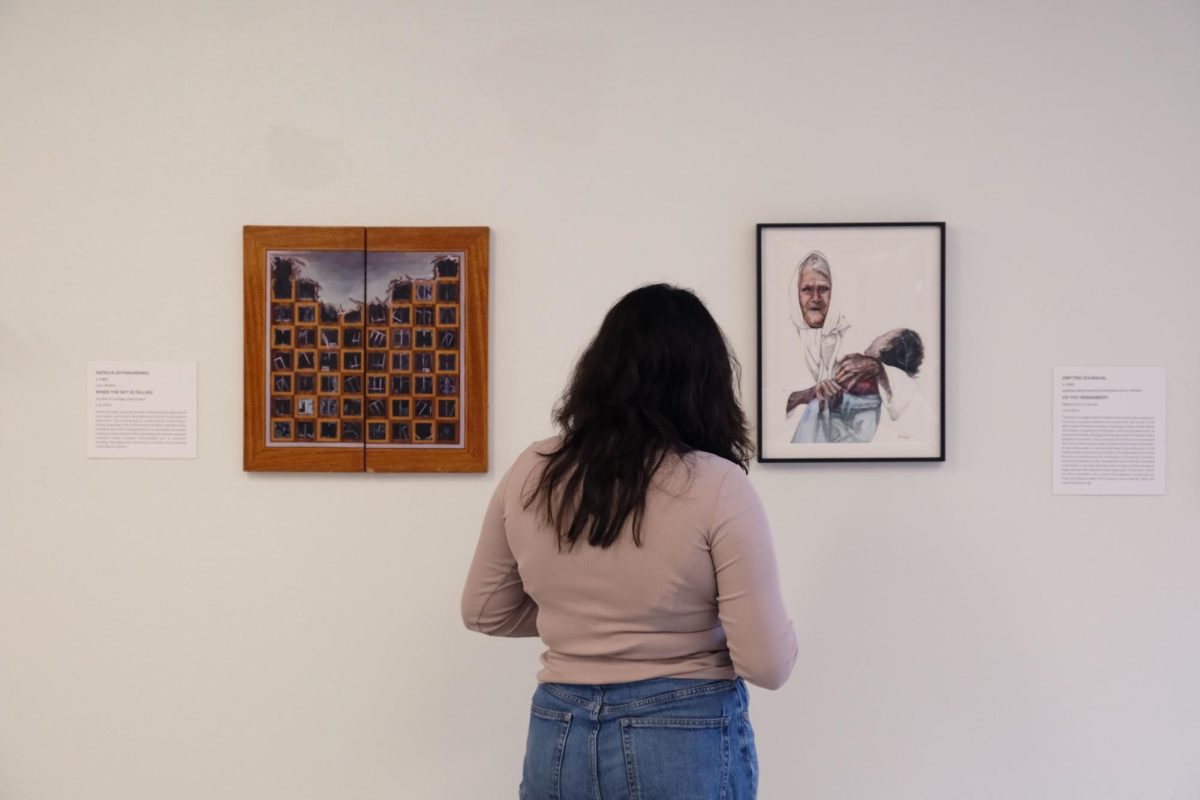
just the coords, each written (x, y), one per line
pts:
(494, 600)
(761, 639)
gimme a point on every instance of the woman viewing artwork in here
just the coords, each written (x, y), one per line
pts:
(634, 544)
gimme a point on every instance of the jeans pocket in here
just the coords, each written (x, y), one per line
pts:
(676, 759)
(544, 753)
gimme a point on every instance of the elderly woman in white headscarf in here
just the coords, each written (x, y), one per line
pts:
(818, 319)
(821, 327)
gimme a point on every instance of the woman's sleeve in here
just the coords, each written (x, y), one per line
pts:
(494, 600)
(761, 639)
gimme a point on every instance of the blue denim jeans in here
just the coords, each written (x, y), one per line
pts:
(661, 739)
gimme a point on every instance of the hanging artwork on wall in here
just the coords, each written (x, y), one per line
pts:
(366, 349)
(851, 330)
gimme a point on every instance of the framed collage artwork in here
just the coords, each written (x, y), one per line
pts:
(365, 349)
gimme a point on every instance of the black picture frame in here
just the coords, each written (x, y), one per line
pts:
(881, 329)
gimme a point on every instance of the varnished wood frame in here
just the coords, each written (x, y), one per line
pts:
(473, 360)
(473, 311)
(256, 455)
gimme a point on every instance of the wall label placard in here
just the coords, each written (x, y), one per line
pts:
(141, 409)
(1110, 430)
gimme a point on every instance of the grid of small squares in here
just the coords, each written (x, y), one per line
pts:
(391, 379)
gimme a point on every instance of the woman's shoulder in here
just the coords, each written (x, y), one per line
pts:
(703, 473)
(712, 464)
(533, 455)
(540, 449)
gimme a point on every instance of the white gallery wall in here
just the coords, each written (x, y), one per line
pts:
(183, 630)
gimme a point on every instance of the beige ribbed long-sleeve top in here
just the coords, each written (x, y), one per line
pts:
(699, 599)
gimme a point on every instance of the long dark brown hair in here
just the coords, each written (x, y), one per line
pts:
(658, 379)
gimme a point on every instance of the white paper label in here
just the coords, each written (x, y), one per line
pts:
(141, 409)
(1110, 430)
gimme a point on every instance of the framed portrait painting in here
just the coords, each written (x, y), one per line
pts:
(851, 341)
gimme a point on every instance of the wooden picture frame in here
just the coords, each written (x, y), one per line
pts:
(387, 327)
(851, 341)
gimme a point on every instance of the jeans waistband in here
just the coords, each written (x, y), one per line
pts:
(612, 697)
